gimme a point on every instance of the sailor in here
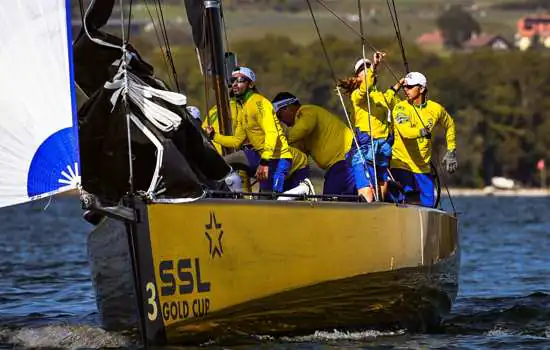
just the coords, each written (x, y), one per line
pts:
(323, 136)
(214, 121)
(271, 157)
(372, 109)
(414, 121)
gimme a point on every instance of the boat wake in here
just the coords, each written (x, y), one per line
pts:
(528, 315)
(64, 336)
(517, 321)
(339, 335)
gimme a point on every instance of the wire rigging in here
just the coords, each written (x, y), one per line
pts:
(159, 41)
(124, 66)
(206, 75)
(81, 10)
(128, 31)
(167, 44)
(395, 21)
(362, 37)
(365, 70)
(224, 28)
(163, 40)
(333, 75)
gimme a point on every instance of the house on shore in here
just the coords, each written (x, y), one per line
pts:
(533, 31)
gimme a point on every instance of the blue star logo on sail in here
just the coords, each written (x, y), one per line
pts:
(214, 235)
(55, 164)
(70, 177)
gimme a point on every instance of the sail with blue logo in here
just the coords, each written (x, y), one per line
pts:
(38, 121)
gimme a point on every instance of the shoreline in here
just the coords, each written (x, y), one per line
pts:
(489, 191)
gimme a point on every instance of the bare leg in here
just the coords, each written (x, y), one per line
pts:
(367, 193)
(384, 191)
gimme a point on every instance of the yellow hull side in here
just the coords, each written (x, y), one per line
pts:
(214, 254)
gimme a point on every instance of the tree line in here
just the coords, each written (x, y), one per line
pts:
(500, 100)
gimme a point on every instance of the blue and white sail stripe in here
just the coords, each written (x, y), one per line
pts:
(38, 136)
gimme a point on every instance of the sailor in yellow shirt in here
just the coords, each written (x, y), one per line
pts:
(372, 110)
(213, 120)
(414, 121)
(323, 136)
(270, 154)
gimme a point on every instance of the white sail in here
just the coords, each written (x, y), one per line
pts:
(38, 128)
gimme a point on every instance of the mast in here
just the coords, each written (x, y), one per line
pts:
(218, 71)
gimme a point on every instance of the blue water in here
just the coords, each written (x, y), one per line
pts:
(46, 296)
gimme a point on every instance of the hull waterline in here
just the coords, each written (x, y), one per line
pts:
(217, 269)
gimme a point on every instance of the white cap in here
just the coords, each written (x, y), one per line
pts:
(194, 111)
(415, 78)
(247, 72)
(360, 64)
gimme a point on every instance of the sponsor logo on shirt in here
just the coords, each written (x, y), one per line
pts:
(401, 118)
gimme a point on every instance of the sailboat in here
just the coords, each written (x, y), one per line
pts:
(172, 251)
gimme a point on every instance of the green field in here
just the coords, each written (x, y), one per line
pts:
(415, 17)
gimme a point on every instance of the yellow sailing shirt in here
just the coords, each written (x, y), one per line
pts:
(410, 151)
(257, 122)
(380, 107)
(299, 160)
(321, 134)
(213, 120)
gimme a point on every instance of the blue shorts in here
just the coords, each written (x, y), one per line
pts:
(362, 159)
(424, 183)
(278, 171)
(339, 179)
(364, 175)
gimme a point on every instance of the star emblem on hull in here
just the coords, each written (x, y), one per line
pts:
(214, 234)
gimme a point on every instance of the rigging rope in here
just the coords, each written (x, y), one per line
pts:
(224, 28)
(333, 75)
(167, 49)
(129, 21)
(395, 20)
(143, 96)
(205, 75)
(81, 10)
(95, 40)
(167, 43)
(158, 37)
(124, 71)
(365, 70)
(362, 37)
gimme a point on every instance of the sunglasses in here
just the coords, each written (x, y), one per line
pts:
(239, 80)
(409, 86)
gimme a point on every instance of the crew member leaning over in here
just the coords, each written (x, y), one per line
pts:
(275, 162)
(414, 120)
(322, 135)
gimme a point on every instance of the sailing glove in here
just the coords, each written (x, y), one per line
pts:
(425, 133)
(450, 162)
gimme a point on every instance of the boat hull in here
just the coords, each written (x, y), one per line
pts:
(223, 268)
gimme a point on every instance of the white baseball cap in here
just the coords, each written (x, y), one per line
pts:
(361, 64)
(415, 78)
(194, 111)
(247, 72)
